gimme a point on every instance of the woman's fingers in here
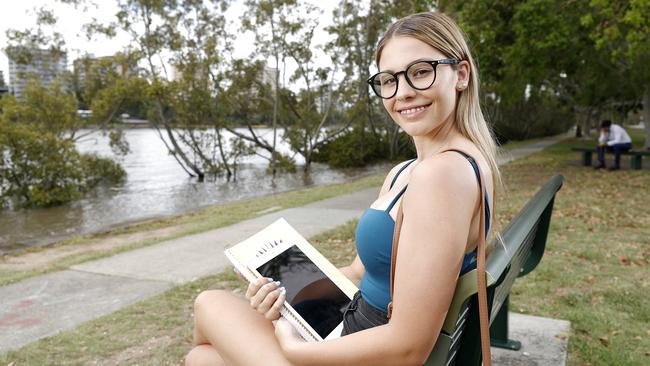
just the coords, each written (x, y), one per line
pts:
(255, 286)
(264, 291)
(266, 297)
(274, 311)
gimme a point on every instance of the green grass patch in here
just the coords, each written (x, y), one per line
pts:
(595, 269)
(156, 331)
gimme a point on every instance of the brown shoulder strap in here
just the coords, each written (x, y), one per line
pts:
(480, 269)
(393, 258)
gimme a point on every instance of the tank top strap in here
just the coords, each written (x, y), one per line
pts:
(478, 178)
(400, 172)
(394, 201)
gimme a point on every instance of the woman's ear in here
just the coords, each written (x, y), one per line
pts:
(463, 72)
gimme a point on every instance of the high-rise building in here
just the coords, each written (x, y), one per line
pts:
(43, 65)
(119, 64)
(3, 85)
(268, 75)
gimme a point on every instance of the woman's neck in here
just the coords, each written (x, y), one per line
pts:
(436, 141)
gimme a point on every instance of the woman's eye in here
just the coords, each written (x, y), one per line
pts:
(418, 73)
(388, 81)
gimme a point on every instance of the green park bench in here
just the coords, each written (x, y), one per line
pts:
(635, 156)
(517, 254)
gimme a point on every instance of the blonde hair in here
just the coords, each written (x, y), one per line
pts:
(442, 33)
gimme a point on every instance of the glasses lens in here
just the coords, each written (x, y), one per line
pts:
(421, 75)
(384, 84)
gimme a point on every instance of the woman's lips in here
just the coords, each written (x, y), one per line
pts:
(413, 112)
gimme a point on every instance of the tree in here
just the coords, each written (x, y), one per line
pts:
(39, 164)
(537, 65)
(272, 21)
(199, 47)
(311, 125)
(358, 26)
(193, 33)
(621, 28)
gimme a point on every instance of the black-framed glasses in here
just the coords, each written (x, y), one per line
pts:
(420, 75)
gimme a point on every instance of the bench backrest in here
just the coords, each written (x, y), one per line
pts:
(518, 253)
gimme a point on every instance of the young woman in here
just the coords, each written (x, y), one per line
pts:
(429, 86)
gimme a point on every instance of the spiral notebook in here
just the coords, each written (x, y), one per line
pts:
(317, 292)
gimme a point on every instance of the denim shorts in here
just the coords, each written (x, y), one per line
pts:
(360, 315)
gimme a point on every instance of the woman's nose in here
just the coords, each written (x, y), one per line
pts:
(404, 89)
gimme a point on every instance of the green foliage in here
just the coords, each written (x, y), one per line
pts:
(532, 118)
(50, 109)
(39, 164)
(539, 54)
(39, 169)
(344, 151)
(97, 170)
(283, 163)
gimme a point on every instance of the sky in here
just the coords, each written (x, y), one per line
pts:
(21, 15)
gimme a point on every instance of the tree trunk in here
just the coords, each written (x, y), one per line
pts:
(579, 116)
(646, 116)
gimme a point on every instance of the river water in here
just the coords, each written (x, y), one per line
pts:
(155, 186)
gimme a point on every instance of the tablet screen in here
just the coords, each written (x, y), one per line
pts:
(309, 291)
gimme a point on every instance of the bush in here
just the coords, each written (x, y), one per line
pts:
(349, 150)
(530, 119)
(39, 169)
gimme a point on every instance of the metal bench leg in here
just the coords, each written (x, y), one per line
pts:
(635, 162)
(499, 329)
(586, 158)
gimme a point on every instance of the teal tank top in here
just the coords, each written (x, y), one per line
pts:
(374, 242)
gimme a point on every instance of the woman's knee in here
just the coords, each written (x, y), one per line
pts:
(203, 355)
(211, 299)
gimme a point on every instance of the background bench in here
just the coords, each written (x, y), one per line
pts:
(635, 156)
(519, 252)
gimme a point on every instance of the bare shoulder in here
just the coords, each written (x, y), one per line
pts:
(391, 175)
(450, 173)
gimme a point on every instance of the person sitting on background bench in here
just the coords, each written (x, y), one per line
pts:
(613, 138)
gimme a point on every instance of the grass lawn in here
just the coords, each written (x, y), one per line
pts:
(594, 273)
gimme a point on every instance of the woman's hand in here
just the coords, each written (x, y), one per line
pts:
(287, 335)
(266, 297)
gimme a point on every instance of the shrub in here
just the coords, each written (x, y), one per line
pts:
(39, 169)
(352, 150)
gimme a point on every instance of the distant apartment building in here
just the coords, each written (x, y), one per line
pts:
(45, 66)
(103, 66)
(3, 86)
(268, 76)
(174, 73)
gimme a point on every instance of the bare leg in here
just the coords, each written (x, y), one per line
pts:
(204, 355)
(238, 335)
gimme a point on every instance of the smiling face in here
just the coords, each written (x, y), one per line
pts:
(421, 112)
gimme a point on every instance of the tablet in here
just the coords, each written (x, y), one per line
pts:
(310, 293)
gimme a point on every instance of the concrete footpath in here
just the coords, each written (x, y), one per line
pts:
(46, 305)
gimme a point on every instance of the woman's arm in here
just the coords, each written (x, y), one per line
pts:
(438, 210)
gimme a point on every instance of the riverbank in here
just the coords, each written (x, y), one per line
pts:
(30, 262)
